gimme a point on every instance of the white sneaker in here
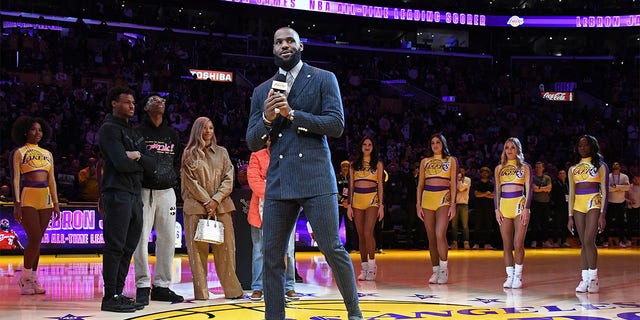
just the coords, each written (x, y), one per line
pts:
(443, 276)
(517, 281)
(37, 288)
(434, 277)
(509, 282)
(26, 287)
(593, 286)
(371, 273)
(582, 286)
(363, 272)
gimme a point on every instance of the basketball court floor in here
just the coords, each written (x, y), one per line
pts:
(401, 291)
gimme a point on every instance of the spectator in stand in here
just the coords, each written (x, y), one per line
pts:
(463, 184)
(618, 186)
(351, 241)
(588, 193)
(512, 201)
(66, 179)
(88, 182)
(560, 197)
(436, 205)
(633, 208)
(415, 227)
(540, 207)
(484, 210)
(366, 178)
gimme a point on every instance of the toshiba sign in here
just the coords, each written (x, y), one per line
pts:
(212, 75)
(557, 96)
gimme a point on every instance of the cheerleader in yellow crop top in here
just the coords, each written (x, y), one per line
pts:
(35, 193)
(512, 200)
(366, 176)
(588, 193)
(436, 206)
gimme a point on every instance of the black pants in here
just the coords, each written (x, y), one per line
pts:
(633, 222)
(484, 231)
(560, 219)
(539, 225)
(122, 226)
(351, 236)
(615, 220)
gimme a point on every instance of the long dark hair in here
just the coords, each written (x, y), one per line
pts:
(23, 124)
(445, 148)
(373, 162)
(594, 148)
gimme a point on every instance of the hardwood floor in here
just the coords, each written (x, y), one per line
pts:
(401, 291)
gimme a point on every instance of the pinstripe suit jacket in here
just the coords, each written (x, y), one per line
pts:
(300, 165)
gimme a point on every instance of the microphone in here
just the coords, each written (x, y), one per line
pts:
(279, 85)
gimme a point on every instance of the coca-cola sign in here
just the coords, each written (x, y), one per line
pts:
(557, 96)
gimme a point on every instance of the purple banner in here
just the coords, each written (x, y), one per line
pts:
(446, 17)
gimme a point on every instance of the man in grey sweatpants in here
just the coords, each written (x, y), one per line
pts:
(159, 204)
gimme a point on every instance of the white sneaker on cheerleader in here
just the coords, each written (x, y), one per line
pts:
(443, 275)
(582, 286)
(434, 277)
(363, 272)
(37, 288)
(371, 273)
(517, 281)
(509, 282)
(25, 286)
(594, 286)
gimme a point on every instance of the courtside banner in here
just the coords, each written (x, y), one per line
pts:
(212, 75)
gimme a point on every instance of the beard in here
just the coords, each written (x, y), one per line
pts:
(288, 64)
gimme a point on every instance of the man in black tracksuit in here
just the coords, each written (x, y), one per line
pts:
(159, 204)
(125, 159)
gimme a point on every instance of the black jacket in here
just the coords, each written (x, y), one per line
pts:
(164, 143)
(116, 136)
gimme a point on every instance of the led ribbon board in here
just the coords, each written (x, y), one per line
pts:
(447, 17)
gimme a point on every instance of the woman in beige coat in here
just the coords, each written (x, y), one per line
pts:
(207, 182)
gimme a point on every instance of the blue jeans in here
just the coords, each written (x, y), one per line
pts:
(279, 220)
(258, 261)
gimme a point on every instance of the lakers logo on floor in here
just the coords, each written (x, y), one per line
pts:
(335, 310)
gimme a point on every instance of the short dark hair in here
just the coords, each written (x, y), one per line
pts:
(114, 95)
(22, 125)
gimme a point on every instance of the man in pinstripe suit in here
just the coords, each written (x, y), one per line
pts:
(300, 173)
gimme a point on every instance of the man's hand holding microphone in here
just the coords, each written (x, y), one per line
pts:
(276, 102)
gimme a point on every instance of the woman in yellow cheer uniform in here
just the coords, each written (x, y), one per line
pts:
(437, 187)
(35, 191)
(366, 176)
(588, 192)
(513, 199)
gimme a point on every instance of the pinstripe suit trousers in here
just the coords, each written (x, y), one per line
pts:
(279, 220)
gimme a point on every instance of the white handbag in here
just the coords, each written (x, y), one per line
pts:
(211, 231)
